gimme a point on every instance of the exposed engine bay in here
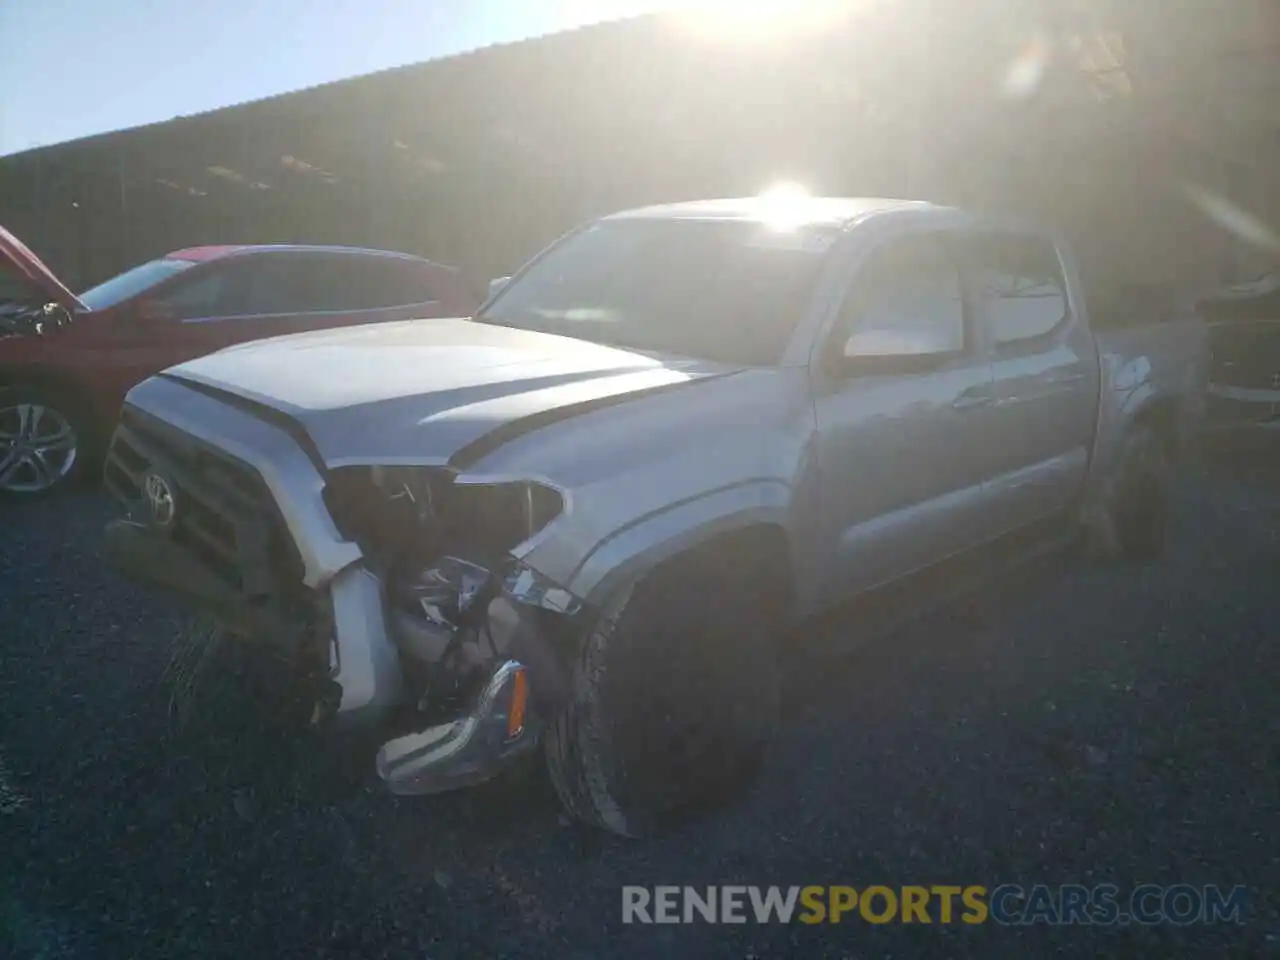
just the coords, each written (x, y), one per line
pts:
(24, 319)
(458, 604)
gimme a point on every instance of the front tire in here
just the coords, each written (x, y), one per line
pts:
(674, 701)
(44, 442)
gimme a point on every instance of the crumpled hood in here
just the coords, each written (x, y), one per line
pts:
(430, 391)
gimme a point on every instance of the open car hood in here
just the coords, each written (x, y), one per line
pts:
(18, 259)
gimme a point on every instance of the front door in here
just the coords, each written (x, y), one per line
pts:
(901, 395)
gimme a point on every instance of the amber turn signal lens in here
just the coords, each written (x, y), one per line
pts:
(519, 700)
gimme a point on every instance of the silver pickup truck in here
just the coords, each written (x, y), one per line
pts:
(579, 521)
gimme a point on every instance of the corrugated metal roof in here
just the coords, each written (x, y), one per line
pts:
(387, 74)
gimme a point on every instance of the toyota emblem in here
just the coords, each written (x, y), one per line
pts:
(160, 500)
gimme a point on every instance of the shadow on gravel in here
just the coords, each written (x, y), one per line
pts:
(1071, 724)
(226, 721)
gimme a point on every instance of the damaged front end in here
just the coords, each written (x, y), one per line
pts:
(391, 596)
(482, 639)
(19, 319)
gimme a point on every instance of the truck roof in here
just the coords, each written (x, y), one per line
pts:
(799, 212)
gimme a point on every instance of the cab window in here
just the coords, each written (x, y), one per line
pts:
(1019, 294)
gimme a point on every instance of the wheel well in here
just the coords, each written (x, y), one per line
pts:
(760, 553)
(53, 383)
(41, 379)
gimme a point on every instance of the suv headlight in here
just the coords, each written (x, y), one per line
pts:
(444, 545)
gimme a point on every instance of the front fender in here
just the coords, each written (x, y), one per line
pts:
(1127, 389)
(647, 541)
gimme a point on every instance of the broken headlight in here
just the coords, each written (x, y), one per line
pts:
(448, 603)
(456, 619)
(415, 514)
(444, 551)
(525, 585)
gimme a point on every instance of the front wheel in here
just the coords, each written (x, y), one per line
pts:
(42, 442)
(675, 698)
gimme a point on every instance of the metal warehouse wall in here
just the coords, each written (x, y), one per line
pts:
(480, 160)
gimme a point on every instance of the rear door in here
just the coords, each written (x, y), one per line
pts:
(389, 287)
(1045, 369)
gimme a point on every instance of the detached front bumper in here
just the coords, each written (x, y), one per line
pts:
(247, 538)
(177, 433)
(501, 724)
(141, 555)
(363, 679)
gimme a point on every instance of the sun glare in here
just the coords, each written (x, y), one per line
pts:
(784, 205)
(757, 21)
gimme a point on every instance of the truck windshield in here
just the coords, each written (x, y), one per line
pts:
(131, 283)
(718, 290)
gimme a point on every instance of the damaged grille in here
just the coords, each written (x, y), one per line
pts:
(223, 512)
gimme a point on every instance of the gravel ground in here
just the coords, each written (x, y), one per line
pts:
(1077, 726)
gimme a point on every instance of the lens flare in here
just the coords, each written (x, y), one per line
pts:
(758, 21)
(784, 205)
(1232, 218)
(1026, 72)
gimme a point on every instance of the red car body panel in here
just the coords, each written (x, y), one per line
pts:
(103, 353)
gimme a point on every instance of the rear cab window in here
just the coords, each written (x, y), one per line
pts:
(1016, 286)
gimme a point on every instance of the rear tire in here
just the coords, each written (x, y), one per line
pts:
(674, 700)
(1140, 496)
(45, 442)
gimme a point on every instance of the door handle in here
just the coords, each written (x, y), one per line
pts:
(1064, 378)
(972, 399)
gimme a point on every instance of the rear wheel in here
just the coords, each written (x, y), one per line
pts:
(43, 441)
(1140, 496)
(675, 698)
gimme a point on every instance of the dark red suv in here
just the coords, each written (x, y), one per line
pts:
(65, 368)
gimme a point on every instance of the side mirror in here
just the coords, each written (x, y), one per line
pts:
(890, 351)
(153, 311)
(888, 343)
(496, 285)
